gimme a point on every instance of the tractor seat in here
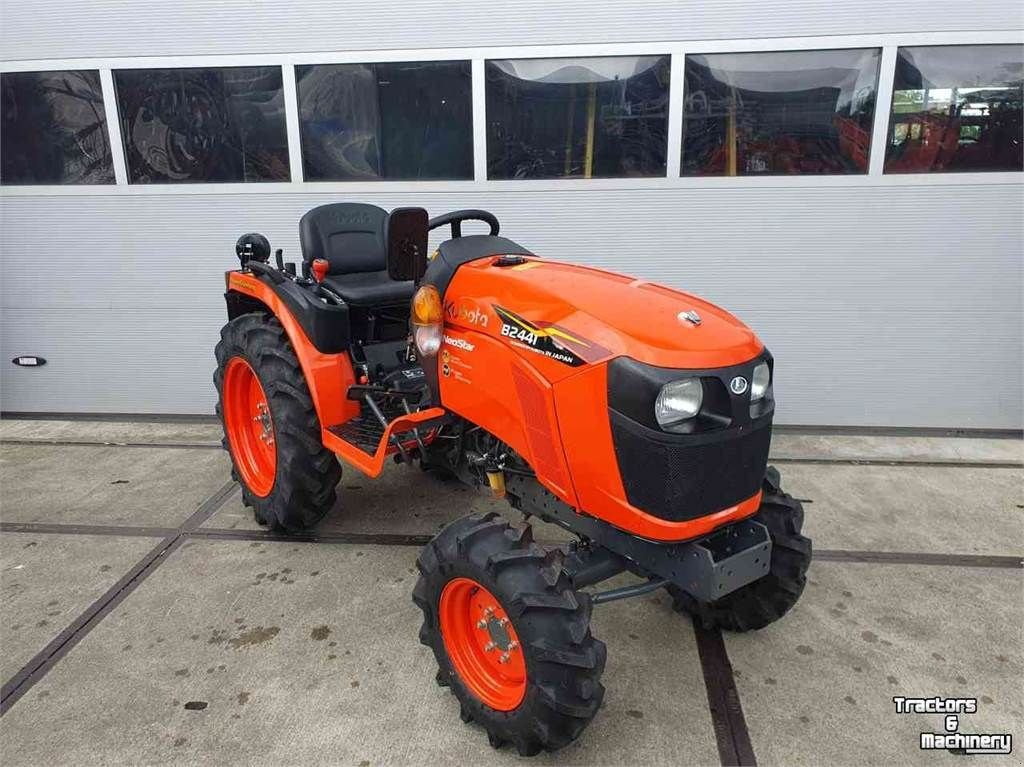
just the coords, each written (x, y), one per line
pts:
(370, 288)
(352, 238)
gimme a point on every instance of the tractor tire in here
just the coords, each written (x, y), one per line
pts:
(510, 635)
(767, 599)
(271, 429)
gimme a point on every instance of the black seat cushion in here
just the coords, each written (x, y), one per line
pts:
(370, 288)
(349, 235)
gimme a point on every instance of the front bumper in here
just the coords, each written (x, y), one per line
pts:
(724, 561)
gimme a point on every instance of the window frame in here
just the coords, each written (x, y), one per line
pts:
(888, 42)
(189, 182)
(890, 126)
(385, 179)
(106, 117)
(653, 55)
(874, 111)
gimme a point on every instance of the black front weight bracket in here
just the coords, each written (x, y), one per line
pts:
(706, 568)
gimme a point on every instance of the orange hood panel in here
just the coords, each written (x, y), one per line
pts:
(579, 315)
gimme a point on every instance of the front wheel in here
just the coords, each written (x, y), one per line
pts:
(767, 599)
(511, 637)
(271, 427)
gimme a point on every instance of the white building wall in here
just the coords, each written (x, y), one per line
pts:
(39, 29)
(887, 301)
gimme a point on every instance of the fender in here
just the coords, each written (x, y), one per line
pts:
(328, 372)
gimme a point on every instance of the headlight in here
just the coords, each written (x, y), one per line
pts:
(428, 339)
(759, 381)
(678, 401)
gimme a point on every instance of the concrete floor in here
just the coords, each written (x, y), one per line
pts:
(241, 651)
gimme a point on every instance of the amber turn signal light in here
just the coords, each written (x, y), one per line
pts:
(426, 306)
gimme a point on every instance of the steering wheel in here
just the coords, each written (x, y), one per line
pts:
(456, 217)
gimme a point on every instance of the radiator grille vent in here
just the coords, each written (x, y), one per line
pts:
(539, 431)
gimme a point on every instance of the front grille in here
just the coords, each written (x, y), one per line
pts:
(683, 477)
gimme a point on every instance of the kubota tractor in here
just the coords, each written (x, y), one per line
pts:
(636, 417)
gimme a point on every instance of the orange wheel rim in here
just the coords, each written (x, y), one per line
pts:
(482, 644)
(249, 426)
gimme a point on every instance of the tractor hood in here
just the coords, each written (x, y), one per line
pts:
(581, 315)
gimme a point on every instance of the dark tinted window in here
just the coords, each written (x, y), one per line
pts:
(802, 112)
(183, 125)
(400, 121)
(594, 117)
(53, 129)
(956, 108)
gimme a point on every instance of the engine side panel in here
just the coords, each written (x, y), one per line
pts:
(483, 381)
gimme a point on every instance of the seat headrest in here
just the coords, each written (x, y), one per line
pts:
(349, 235)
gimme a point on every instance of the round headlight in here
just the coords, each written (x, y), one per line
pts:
(759, 381)
(678, 401)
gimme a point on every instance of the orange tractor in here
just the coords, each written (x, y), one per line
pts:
(636, 417)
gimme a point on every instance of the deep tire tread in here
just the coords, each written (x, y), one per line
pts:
(565, 661)
(307, 472)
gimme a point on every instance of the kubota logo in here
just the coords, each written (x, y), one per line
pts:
(466, 311)
(738, 385)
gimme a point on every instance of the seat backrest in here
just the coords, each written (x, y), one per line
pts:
(349, 235)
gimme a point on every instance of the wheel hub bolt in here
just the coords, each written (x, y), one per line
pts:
(490, 646)
(504, 658)
(481, 624)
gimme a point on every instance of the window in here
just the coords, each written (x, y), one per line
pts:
(213, 125)
(795, 113)
(410, 120)
(53, 130)
(956, 108)
(577, 118)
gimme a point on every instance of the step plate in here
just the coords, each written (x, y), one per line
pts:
(366, 431)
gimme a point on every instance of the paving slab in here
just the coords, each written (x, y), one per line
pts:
(911, 508)
(817, 686)
(237, 652)
(850, 447)
(148, 487)
(139, 432)
(47, 580)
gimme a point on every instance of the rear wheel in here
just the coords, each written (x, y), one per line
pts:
(511, 637)
(769, 598)
(271, 429)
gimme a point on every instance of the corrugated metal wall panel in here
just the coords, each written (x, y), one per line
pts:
(883, 305)
(36, 29)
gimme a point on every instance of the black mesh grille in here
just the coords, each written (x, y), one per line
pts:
(692, 475)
